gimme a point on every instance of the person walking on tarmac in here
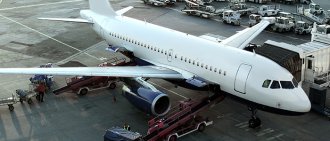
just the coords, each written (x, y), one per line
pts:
(41, 89)
(126, 127)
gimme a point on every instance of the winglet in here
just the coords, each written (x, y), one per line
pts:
(124, 10)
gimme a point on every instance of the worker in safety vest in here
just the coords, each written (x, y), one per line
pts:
(126, 127)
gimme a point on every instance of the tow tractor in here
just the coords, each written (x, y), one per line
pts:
(282, 24)
(199, 8)
(242, 8)
(159, 2)
(231, 17)
(81, 85)
(287, 15)
(268, 10)
(254, 19)
(302, 28)
(183, 120)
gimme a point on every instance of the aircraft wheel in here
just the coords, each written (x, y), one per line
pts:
(173, 138)
(112, 85)
(201, 127)
(29, 101)
(11, 107)
(254, 122)
(84, 91)
(21, 100)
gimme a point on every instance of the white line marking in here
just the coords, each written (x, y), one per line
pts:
(27, 6)
(47, 36)
(168, 90)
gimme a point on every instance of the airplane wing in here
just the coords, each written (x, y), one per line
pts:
(67, 20)
(115, 71)
(244, 37)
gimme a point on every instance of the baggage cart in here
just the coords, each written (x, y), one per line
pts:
(9, 101)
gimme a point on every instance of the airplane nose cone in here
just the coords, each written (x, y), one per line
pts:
(304, 104)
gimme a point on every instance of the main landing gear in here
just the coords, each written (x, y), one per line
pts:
(254, 122)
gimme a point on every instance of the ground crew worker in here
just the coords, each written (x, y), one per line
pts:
(41, 89)
(126, 127)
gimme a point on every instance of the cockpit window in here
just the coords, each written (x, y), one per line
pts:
(266, 83)
(275, 85)
(295, 83)
(287, 85)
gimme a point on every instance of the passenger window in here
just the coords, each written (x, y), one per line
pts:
(165, 52)
(181, 58)
(175, 56)
(210, 68)
(275, 85)
(266, 83)
(215, 69)
(197, 63)
(205, 66)
(189, 61)
(193, 62)
(219, 71)
(286, 84)
(185, 59)
(202, 65)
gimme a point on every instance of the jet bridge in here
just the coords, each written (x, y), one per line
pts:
(308, 62)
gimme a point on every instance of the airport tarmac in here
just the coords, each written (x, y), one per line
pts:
(28, 42)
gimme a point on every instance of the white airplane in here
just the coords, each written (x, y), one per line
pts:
(257, 81)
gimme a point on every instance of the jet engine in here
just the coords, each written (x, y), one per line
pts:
(145, 96)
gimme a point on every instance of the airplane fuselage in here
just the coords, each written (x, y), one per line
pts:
(238, 72)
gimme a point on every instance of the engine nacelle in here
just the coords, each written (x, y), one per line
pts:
(146, 97)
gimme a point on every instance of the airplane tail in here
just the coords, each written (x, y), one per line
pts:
(101, 7)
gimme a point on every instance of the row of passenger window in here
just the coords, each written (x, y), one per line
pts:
(190, 61)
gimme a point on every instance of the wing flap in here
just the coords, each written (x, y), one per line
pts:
(244, 37)
(120, 71)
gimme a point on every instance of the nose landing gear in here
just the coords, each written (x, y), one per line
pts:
(254, 122)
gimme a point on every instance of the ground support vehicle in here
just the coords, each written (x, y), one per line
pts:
(48, 79)
(254, 19)
(286, 15)
(282, 24)
(26, 95)
(231, 17)
(285, 1)
(242, 8)
(182, 120)
(197, 8)
(268, 10)
(302, 28)
(259, 1)
(9, 101)
(81, 85)
(159, 2)
(315, 9)
(311, 16)
(305, 1)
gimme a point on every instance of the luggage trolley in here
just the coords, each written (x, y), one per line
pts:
(26, 95)
(9, 101)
